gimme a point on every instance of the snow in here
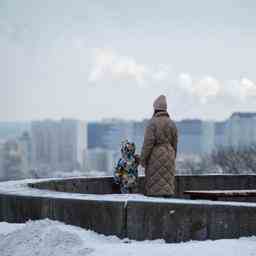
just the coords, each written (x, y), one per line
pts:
(52, 238)
(6, 228)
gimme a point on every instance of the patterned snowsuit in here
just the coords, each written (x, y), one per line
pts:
(126, 170)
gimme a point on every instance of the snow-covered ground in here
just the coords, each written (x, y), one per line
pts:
(52, 238)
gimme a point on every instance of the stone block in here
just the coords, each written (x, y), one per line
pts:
(105, 217)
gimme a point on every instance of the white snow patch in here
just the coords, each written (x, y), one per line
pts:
(52, 238)
(6, 228)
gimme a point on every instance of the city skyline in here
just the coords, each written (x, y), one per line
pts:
(71, 145)
(110, 119)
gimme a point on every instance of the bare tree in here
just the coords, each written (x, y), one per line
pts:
(236, 160)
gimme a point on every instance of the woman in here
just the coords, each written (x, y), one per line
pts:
(159, 151)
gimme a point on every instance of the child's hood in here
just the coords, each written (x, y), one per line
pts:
(128, 149)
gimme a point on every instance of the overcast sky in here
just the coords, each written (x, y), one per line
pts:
(101, 59)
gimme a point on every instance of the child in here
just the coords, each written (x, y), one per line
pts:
(126, 170)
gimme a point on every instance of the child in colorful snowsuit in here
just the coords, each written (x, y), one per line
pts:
(126, 170)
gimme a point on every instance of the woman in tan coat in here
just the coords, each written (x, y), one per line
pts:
(159, 151)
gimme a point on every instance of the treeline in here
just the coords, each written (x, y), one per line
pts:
(227, 160)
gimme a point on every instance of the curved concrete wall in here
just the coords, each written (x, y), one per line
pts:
(105, 217)
(133, 216)
(183, 182)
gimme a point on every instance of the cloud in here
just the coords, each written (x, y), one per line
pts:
(205, 88)
(162, 73)
(239, 90)
(210, 88)
(248, 88)
(185, 82)
(107, 65)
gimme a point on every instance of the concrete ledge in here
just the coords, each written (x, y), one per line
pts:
(105, 185)
(134, 216)
(214, 182)
(105, 217)
(184, 222)
(99, 186)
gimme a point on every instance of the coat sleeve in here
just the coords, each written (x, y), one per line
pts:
(175, 139)
(148, 144)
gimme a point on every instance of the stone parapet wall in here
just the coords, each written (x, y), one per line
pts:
(133, 216)
(183, 182)
(104, 217)
(184, 222)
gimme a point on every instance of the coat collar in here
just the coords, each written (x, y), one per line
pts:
(162, 113)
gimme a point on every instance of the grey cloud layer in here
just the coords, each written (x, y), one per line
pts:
(108, 65)
(83, 58)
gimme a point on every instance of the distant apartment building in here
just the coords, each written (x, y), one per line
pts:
(101, 160)
(201, 137)
(12, 161)
(196, 137)
(59, 145)
(240, 129)
(189, 136)
(1, 159)
(138, 134)
(24, 142)
(220, 134)
(104, 141)
(208, 137)
(12, 130)
(110, 133)
(117, 132)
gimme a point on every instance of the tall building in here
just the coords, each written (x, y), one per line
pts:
(118, 132)
(104, 141)
(24, 142)
(110, 133)
(190, 137)
(96, 132)
(59, 145)
(240, 130)
(101, 160)
(208, 137)
(12, 161)
(138, 134)
(220, 134)
(12, 130)
(196, 137)
(1, 160)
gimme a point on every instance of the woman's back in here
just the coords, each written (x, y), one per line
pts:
(159, 151)
(165, 130)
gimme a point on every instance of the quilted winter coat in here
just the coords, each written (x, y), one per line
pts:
(158, 155)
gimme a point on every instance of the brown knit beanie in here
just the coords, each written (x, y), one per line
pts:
(160, 103)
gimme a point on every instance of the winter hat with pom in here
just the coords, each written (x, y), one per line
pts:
(160, 103)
